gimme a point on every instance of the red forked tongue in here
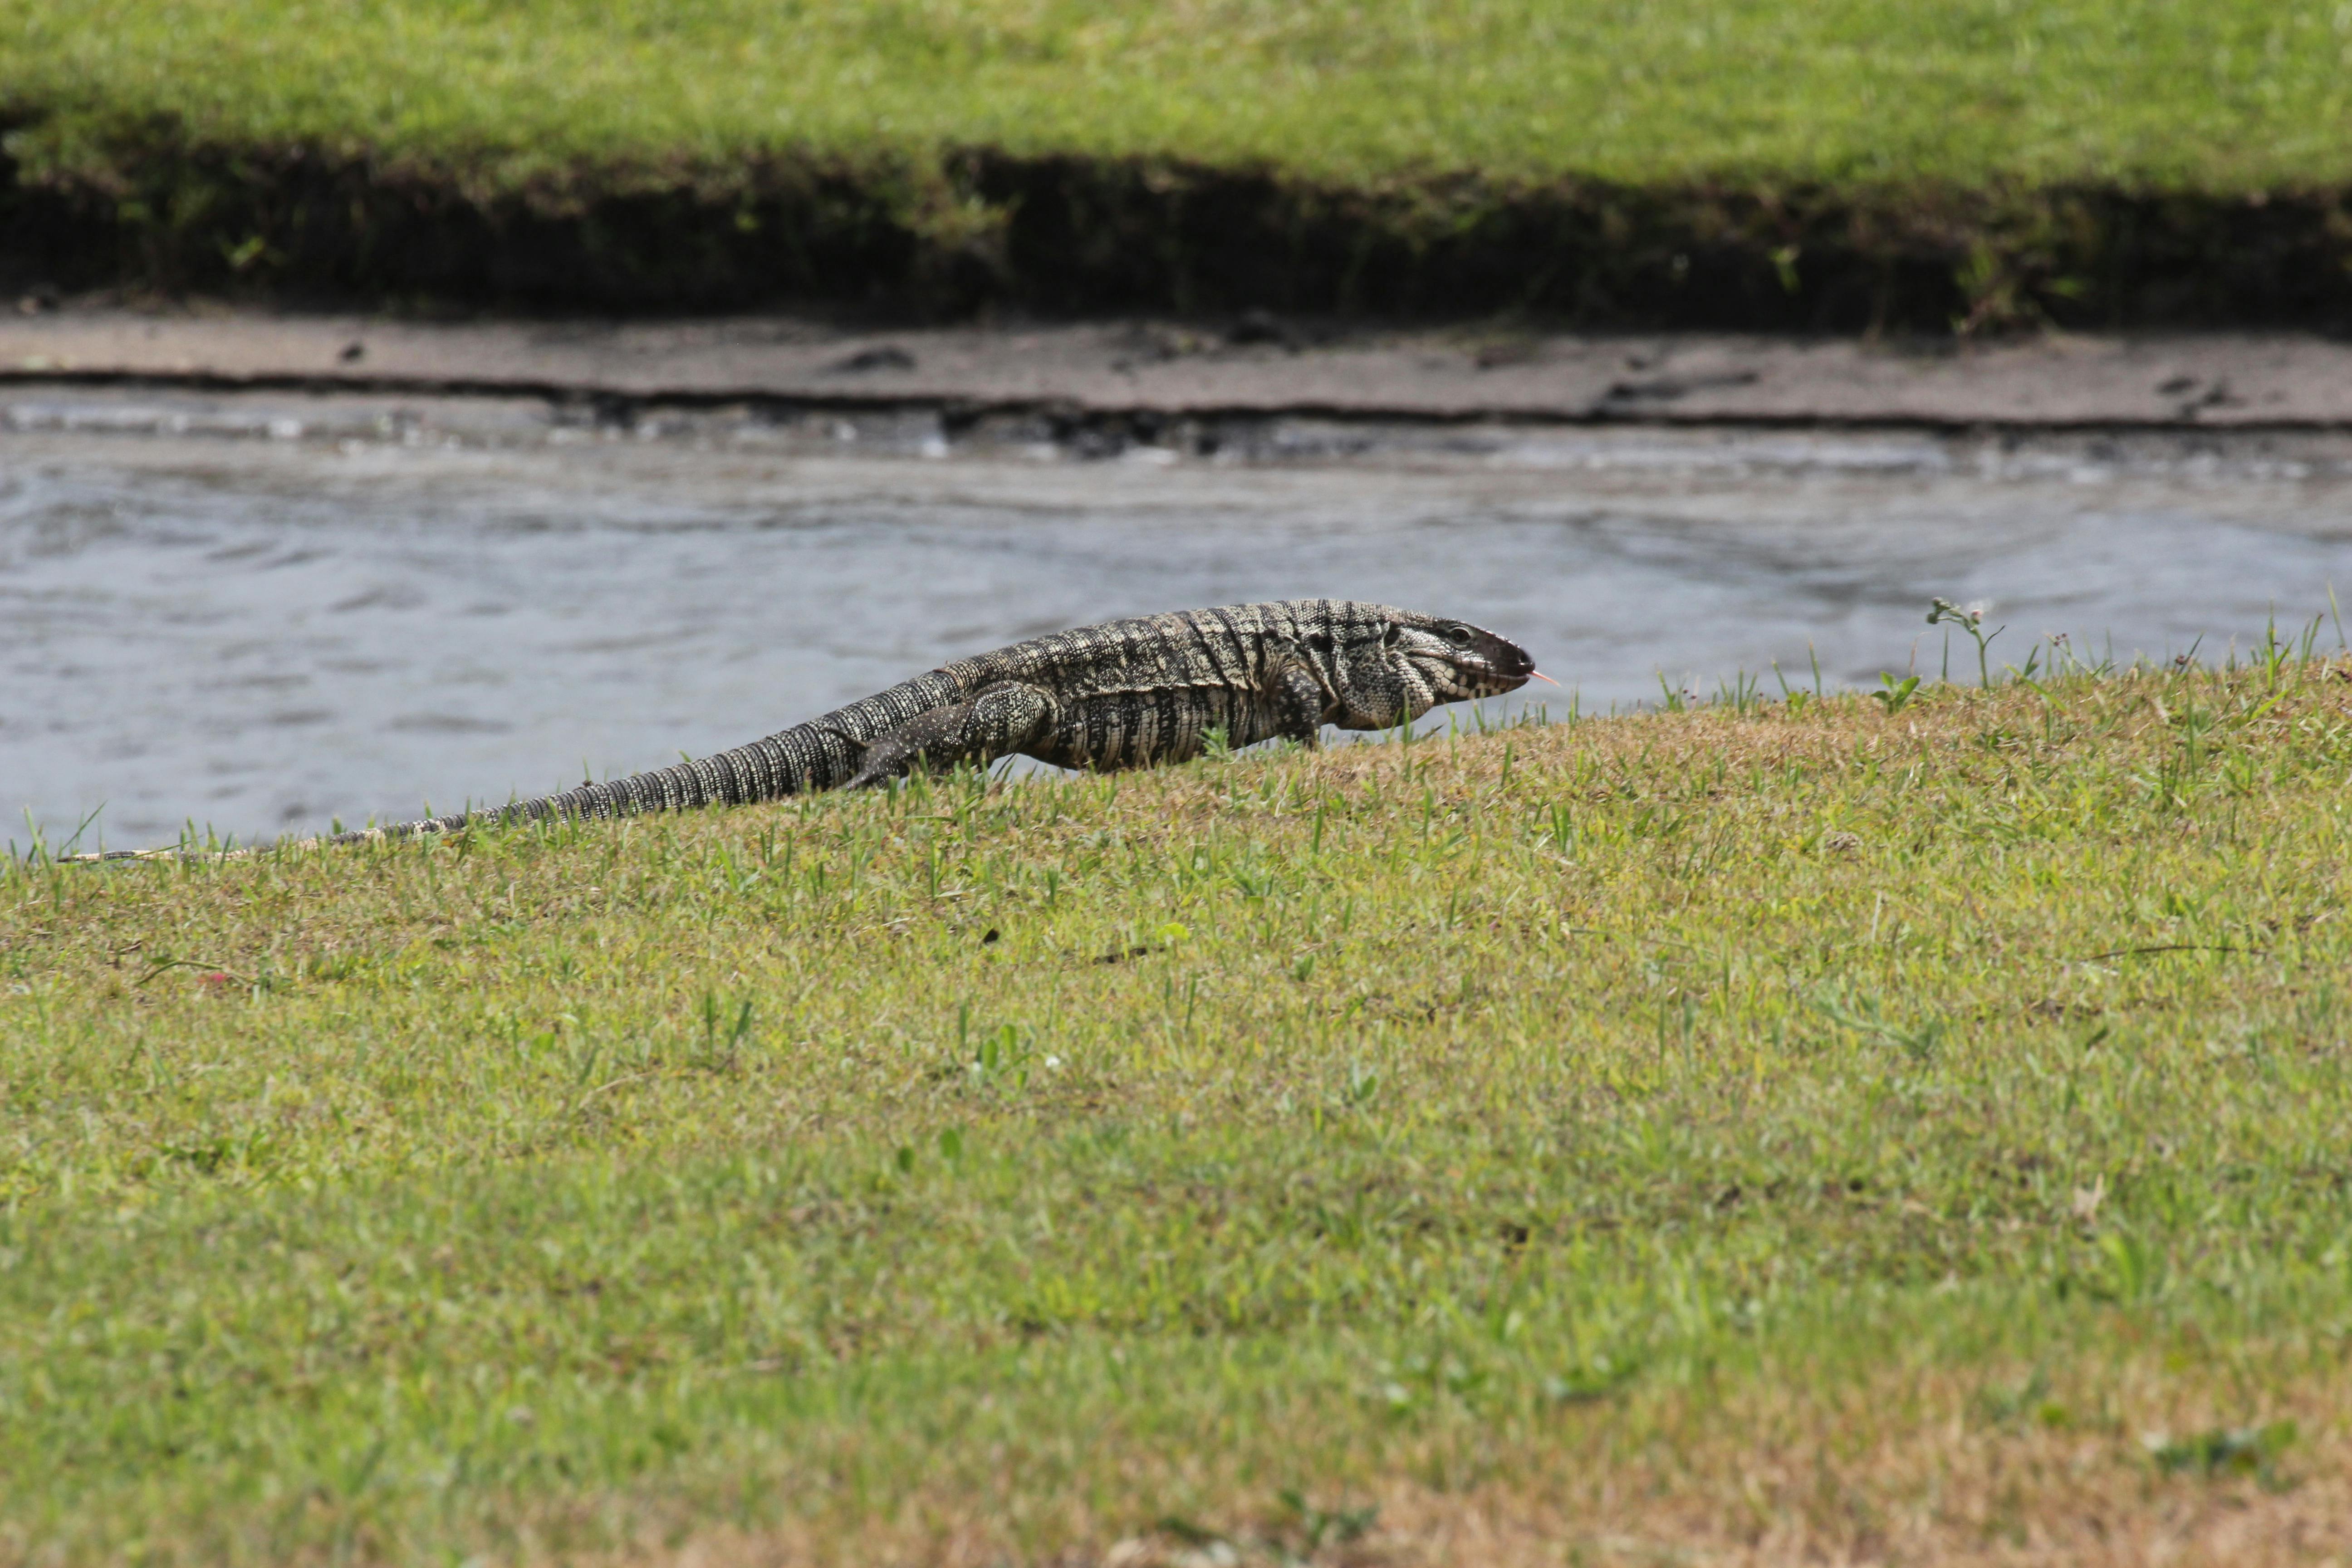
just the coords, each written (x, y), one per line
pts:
(1539, 675)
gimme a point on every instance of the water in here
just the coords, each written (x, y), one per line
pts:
(261, 614)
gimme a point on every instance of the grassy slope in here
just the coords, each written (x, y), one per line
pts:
(1780, 1131)
(2220, 95)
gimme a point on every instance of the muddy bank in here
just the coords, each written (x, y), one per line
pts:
(1067, 235)
(1152, 380)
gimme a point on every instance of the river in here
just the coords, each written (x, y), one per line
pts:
(258, 613)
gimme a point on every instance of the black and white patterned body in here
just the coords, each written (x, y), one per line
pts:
(1122, 694)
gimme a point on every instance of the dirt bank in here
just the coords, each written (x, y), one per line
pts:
(1067, 236)
(1150, 370)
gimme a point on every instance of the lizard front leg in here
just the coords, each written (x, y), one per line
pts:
(999, 720)
(1296, 697)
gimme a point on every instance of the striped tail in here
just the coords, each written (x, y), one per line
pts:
(821, 754)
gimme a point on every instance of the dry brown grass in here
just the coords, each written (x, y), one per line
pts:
(1767, 1476)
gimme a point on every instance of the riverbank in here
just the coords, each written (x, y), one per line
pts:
(1825, 1128)
(1144, 379)
(1857, 167)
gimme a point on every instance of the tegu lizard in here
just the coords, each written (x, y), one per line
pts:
(1122, 694)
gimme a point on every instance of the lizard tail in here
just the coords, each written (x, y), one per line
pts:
(821, 754)
(764, 770)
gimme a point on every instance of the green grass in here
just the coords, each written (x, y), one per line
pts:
(1845, 165)
(1795, 1128)
(2217, 95)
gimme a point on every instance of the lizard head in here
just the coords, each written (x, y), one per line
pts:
(1416, 662)
(1456, 661)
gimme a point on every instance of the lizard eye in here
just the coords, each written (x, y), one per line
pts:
(1389, 634)
(1459, 635)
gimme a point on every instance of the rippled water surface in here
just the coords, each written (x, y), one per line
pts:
(258, 613)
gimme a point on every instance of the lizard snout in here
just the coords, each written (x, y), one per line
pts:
(1499, 661)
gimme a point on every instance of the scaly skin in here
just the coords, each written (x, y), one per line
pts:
(1122, 694)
